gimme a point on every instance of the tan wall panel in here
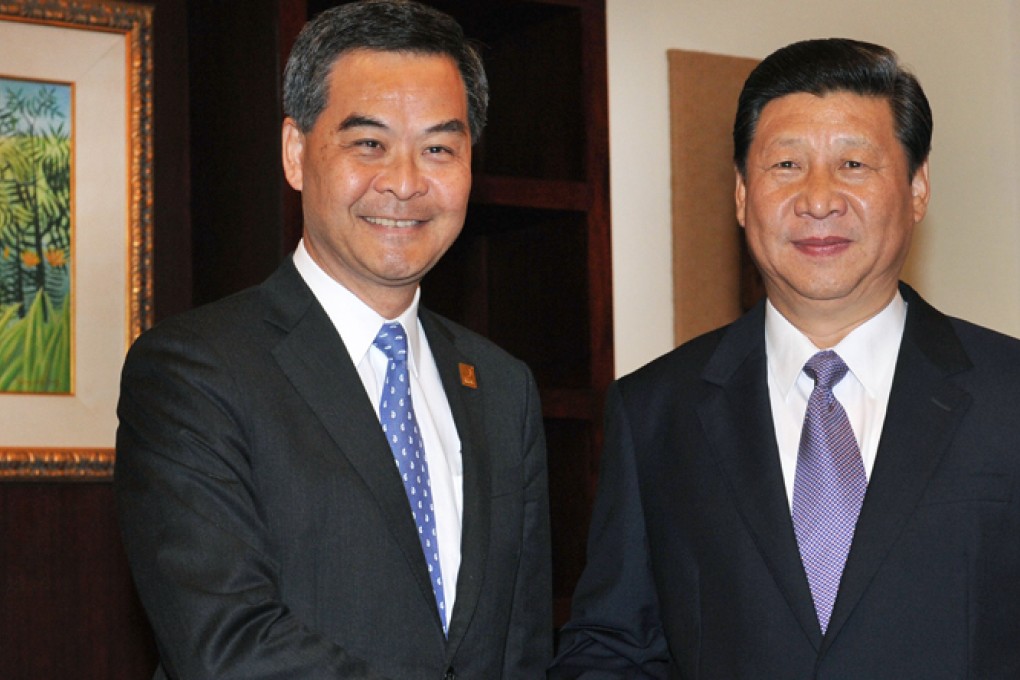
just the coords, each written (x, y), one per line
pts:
(708, 269)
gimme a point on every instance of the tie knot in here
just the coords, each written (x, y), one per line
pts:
(392, 340)
(826, 369)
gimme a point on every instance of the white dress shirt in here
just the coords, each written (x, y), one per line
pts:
(358, 324)
(869, 351)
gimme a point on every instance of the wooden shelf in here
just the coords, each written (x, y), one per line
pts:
(524, 192)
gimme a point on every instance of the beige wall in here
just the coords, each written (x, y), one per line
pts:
(966, 255)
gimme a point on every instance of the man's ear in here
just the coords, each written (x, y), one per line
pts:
(920, 189)
(293, 153)
(740, 196)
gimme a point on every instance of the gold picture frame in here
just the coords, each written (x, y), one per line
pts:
(103, 50)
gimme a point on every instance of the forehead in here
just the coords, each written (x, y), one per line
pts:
(836, 116)
(364, 74)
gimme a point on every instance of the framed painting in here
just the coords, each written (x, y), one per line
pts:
(76, 201)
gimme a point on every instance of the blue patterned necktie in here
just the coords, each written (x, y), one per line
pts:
(396, 414)
(829, 487)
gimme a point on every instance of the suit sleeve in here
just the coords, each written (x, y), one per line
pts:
(529, 636)
(193, 528)
(615, 631)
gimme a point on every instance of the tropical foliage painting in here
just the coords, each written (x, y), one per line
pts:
(35, 237)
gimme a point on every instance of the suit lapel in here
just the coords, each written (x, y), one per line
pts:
(925, 408)
(467, 406)
(314, 359)
(737, 420)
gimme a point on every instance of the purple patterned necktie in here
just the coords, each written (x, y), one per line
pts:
(396, 414)
(829, 487)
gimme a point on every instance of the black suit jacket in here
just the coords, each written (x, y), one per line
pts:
(693, 567)
(267, 527)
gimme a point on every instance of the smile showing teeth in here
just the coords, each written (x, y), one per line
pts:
(399, 224)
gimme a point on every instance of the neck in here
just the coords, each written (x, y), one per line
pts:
(389, 304)
(826, 323)
(388, 301)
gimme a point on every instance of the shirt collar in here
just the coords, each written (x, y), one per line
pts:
(355, 321)
(870, 350)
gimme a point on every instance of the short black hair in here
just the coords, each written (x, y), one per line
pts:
(382, 25)
(829, 65)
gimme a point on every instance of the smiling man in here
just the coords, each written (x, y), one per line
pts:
(826, 488)
(317, 478)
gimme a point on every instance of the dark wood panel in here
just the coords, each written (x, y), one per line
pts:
(530, 193)
(293, 14)
(237, 177)
(596, 162)
(576, 404)
(67, 604)
(172, 279)
(570, 445)
(536, 118)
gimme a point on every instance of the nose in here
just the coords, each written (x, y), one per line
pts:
(402, 177)
(820, 196)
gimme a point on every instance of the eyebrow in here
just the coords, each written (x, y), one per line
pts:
(356, 120)
(452, 125)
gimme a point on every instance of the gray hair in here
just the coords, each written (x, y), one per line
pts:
(382, 25)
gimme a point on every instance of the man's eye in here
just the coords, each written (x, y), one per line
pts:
(368, 143)
(786, 165)
(854, 164)
(438, 149)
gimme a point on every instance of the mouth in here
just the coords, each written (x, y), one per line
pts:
(828, 245)
(392, 223)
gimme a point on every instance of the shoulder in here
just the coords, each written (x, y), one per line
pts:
(690, 357)
(710, 359)
(956, 345)
(974, 336)
(227, 337)
(471, 345)
(218, 322)
(994, 357)
(246, 320)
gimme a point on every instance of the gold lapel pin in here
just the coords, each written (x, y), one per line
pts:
(467, 376)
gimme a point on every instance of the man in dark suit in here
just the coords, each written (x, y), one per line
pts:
(273, 529)
(826, 488)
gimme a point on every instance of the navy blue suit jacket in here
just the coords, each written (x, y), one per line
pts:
(693, 569)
